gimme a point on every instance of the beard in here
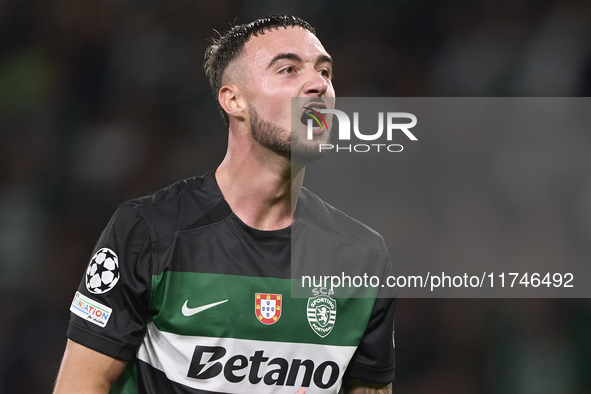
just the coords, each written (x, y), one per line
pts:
(273, 138)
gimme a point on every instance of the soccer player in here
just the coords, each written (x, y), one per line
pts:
(188, 290)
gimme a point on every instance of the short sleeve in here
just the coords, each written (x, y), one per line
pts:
(374, 360)
(111, 307)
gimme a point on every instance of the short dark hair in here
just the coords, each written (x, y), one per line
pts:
(227, 47)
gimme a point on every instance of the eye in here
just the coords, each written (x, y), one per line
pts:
(288, 70)
(325, 73)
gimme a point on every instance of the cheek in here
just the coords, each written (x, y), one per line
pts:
(271, 98)
(273, 105)
(330, 92)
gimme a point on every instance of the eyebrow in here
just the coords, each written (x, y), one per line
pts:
(297, 58)
(324, 59)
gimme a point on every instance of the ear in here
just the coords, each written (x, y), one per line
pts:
(231, 100)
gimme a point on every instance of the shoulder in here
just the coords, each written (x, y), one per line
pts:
(173, 208)
(318, 213)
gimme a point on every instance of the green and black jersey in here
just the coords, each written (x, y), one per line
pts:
(198, 302)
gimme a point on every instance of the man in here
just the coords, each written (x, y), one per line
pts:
(166, 305)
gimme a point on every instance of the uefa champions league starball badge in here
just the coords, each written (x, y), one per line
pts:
(103, 271)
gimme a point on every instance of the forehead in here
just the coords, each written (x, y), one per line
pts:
(293, 39)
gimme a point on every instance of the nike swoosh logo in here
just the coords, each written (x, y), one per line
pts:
(191, 311)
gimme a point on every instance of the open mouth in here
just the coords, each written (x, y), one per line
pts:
(312, 112)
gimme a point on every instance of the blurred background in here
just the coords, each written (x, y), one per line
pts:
(104, 101)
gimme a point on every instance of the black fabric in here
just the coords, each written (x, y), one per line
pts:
(220, 212)
(189, 227)
(374, 361)
(127, 236)
(101, 344)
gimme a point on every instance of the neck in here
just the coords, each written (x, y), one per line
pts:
(262, 190)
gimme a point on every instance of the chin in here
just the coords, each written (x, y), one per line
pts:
(307, 153)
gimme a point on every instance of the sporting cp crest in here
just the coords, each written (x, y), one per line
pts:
(267, 307)
(322, 314)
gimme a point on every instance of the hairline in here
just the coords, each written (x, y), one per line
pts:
(225, 51)
(255, 34)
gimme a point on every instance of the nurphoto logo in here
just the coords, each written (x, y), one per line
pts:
(389, 123)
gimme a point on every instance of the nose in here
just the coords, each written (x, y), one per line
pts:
(316, 84)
